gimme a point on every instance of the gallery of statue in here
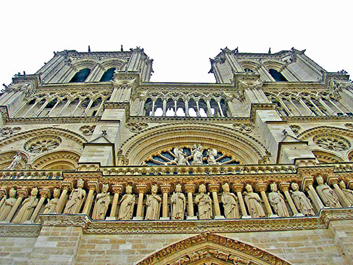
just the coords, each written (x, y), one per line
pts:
(99, 165)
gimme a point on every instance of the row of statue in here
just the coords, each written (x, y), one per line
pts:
(178, 202)
(181, 158)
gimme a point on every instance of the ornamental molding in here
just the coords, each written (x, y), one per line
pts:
(183, 120)
(15, 230)
(51, 120)
(321, 130)
(305, 119)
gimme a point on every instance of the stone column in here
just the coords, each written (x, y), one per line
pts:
(117, 189)
(186, 108)
(342, 198)
(214, 189)
(92, 187)
(238, 188)
(165, 190)
(284, 187)
(141, 190)
(190, 189)
(66, 186)
(23, 193)
(2, 196)
(44, 193)
(261, 187)
(307, 184)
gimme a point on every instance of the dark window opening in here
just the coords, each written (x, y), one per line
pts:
(108, 75)
(80, 76)
(277, 76)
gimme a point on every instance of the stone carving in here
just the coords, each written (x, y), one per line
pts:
(347, 192)
(180, 157)
(211, 156)
(349, 125)
(204, 203)
(127, 204)
(178, 203)
(87, 129)
(331, 142)
(153, 204)
(295, 128)
(7, 206)
(7, 131)
(244, 128)
(327, 195)
(197, 155)
(42, 144)
(50, 208)
(102, 203)
(15, 162)
(277, 202)
(230, 203)
(301, 201)
(136, 127)
(27, 207)
(76, 199)
(253, 202)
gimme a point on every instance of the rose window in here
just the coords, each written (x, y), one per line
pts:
(334, 143)
(42, 144)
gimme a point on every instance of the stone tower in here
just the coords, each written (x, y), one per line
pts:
(100, 165)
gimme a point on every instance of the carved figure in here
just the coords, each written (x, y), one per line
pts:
(16, 160)
(197, 155)
(347, 192)
(178, 203)
(76, 199)
(7, 206)
(50, 208)
(204, 203)
(102, 203)
(27, 207)
(253, 202)
(211, 156)
(153, 204)
(301, 201)
(180, 157)
(230, 203)
(277, 201)
(127, 204)
(327, 195)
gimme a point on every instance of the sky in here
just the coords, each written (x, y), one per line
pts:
(180, 36)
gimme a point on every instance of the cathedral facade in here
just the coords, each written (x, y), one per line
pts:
(99, 165)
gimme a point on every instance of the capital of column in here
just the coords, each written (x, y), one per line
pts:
(92, 185)
(261, 187)
(67, 185)
(306, 182)
(23, 193)
(44, 193)
(284, 186)
(332, 180)
(213, 187)
(141, 188)
(117, 189)
(165, 188)
(238, 187)
(189, 188)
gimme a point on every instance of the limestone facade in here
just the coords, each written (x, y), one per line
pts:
(100, 165)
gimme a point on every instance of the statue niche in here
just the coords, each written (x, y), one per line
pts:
(102, 203)
(153, 204)
(301, 201)
(178, 203)
(50, 208)
(76, 199)
(8, 204)
(204, 203)
(327, 195)
(27, 207)
(127, 204)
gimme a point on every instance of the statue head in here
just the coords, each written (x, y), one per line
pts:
(319, 180)
(342, 185)
(56, 193)
(273, 187)
(12, 192)
(248, 188)
(80, 183)
(225, 187)
(105, 188)
(202, 188)
(295, 186)
(154, 188)
(34, 192)
(128, 189)
(178, 188)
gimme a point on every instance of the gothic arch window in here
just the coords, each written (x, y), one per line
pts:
(180, 108)
(81, 75)
(148, 107)
(108, 75)
(277, 76)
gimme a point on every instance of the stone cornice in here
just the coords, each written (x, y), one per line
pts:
(161, 119)
(19, 230)
(316, 118)
(72, 87)
(52, 120)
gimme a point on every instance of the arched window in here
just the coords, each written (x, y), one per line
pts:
(277, 76)
(80, 76)
(108, 75)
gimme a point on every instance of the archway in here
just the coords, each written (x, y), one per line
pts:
(63, 160)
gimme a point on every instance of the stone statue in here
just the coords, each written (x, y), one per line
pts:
(347, 192)
(301, 201)
(180, 157)
(211, 156)
(15, 162)
(7, 206)
(253, 202)
(277, 202)
(230, 203)
(204, 203)
(50, 208)
(327, 195)
(153, 204)
(27, 207)
(178, 203)
(127, 204)
(76, 199)
(197, 155)
(102, 203)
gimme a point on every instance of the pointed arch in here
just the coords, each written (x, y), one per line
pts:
(209, 247)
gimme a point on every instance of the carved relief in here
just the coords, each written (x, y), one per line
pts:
(332, 142)
(87, 129)
(136, 127)
(244, 128)
(42, 144)
(8, 131)
(295, 128)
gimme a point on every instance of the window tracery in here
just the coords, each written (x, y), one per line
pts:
(42, 144)
(332, 142)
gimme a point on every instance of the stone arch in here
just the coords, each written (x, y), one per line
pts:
(244, 148)
(84, 63)
(113, 62)
(271, 64)
(60, 160)
(209, 248)
(325, 129)
(252, 65)
(7, 157)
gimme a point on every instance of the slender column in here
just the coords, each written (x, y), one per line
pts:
(327, 107)
(35, 104)
(165, 190)
(343, 112)
(342, 198)
(100, 107)
(44, 193)
(79, 103)
(190, 189)
(153, 105)
(141, 190)
(238, 188)
(261, 187)
(220, 108)
(198, 109)
(187, 108)
(64, 108)
(214, 189)
(294, 106)
(92, 187)
(164, 107)
(56, 104)
(23, 193)
(66, 186)
(209, 111)
(88, 107)
(285, 189)
(317, 108)
(285, 107)
(307, 184)
(42, 107)
(175, 107)
(306, 107)
(117, 189)
(2, 196)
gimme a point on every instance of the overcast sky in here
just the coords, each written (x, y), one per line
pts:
(180, 36)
